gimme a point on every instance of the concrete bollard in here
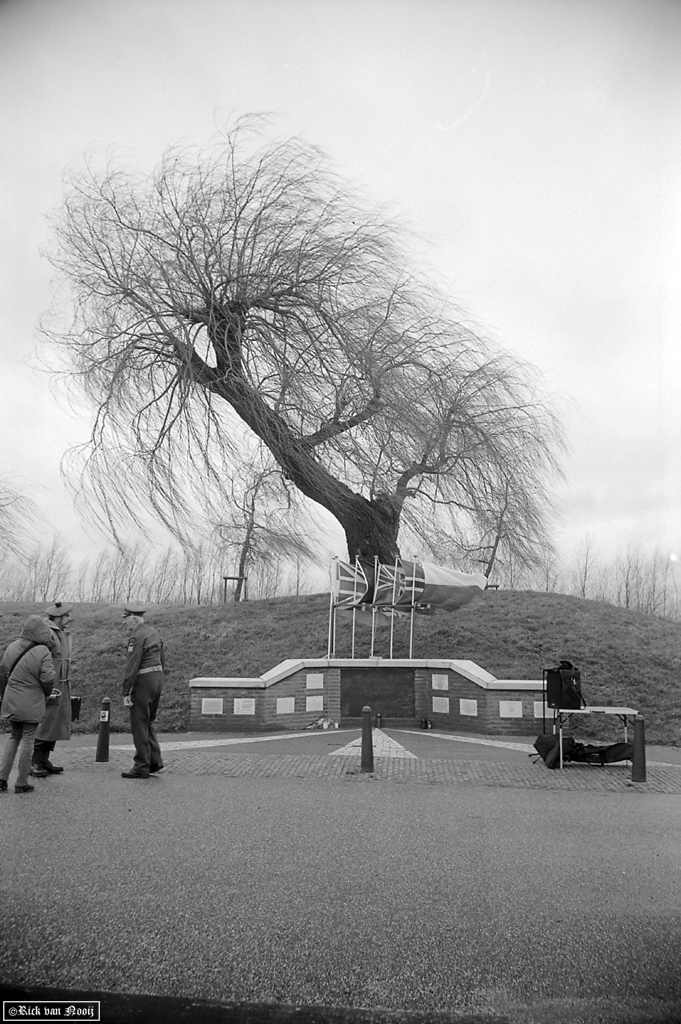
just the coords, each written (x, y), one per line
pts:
(102, 753)
(638, 765)
(367, 741)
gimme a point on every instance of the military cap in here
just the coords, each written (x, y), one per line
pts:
(134, 608)
(57, 609)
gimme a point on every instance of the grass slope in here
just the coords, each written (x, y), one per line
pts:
(626, 657)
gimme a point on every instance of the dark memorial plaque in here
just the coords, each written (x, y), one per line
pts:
(388, 691)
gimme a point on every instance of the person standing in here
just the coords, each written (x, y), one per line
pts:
(27, 678)
(142, 687)
(56, 725)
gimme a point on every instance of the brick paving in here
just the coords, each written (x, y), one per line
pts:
(414, 771)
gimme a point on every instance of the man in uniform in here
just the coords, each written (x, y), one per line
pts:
(142, 686)
(56, 725)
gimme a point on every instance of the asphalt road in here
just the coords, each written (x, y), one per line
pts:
(498, 904)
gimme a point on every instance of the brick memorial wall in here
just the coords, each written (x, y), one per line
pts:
(453, 696)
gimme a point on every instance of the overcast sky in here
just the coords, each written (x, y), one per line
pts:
(535, 143)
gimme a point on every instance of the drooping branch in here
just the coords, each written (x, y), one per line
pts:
(249, 292)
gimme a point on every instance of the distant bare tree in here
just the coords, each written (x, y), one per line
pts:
(262, 525)
(585, 564)
(48, 571)
(250, 292)
(549, 571)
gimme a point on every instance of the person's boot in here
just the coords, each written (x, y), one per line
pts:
(52, 769)
(37, 769)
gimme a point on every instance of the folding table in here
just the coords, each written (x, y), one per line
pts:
(562, 715)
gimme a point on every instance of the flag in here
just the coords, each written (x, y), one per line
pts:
(414, 583)
(350, 585)
(396, 589)
(448, 589)
(389, 585)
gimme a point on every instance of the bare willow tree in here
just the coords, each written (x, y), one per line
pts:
(264, 524)
(247, 288)
(18, 517)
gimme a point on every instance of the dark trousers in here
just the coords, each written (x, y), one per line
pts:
(42, 750)
(146, 695)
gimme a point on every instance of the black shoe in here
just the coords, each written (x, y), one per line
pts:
(24, 789)
(3, 785)
(156, 768)
(52, 769)
(38, 771)
(134, 775)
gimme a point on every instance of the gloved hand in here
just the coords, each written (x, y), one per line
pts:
(127, 701)
(53, 698)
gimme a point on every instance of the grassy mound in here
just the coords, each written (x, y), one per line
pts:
(626, 657)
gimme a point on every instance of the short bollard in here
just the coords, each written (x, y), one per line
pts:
(367, 741)
(638, 765)
(104, 726)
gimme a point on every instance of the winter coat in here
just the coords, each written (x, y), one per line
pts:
(56, 725)
(34, 676)
(145, 654)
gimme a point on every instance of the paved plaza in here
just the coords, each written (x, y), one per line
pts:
(400, 755)
(267, 878)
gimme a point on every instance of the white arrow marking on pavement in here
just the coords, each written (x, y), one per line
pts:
(382, 744)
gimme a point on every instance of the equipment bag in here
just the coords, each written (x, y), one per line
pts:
(548, 749)
(609, 754)
(563, 688)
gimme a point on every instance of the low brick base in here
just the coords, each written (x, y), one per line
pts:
(297, 694)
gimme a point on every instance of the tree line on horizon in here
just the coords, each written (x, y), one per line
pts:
(634, 579)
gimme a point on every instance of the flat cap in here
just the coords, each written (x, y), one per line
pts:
(57, 609)
(134, 609)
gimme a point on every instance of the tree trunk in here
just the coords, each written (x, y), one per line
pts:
(243, 558)
(371, 527)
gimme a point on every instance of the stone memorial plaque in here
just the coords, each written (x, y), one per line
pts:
(314, 680)
(244, 705)
(510, 709)
(212, 706)
(440, 682)
(468, 707)
(286, 705)
(441, 705)
(314, 703)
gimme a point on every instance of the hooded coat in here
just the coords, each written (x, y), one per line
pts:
(31, 681)
(56, 725)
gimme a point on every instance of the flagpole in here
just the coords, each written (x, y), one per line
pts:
(335, 620)
(392, 615)
(373, 606)
(411, 624)
(334, 563)
(354, 606)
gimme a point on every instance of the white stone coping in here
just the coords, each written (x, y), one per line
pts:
(468, 669)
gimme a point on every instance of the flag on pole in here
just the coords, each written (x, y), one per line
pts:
(350, 585)
(399, 588)
(389, 585)
(433, 586)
